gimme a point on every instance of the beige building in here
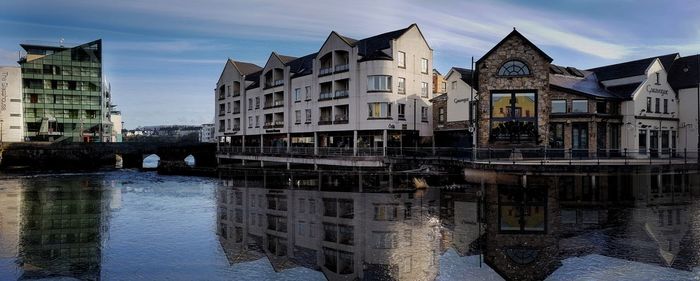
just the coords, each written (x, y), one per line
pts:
(11, 122)
(352, 97)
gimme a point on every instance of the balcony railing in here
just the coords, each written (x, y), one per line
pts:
(236, 111)
(277, 83)
(236, 128)
(341, 94)
(325, 96)
(278, 103)
(278, 124)
(236, 93)
(342, 67)
(325, 71)
(343, 119)
(513, 156)
(325, 121)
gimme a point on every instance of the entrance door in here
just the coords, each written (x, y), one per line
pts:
(654, 143)
(579, 140)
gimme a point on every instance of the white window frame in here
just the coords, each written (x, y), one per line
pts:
(379, 83)
(401, 60)
(424, 66)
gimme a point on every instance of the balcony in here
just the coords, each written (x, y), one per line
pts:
(278, 124)
(342, 68)
(325, 121)
(236, 111)
(325, 96)
(339, 94)
(325, 71)
(267, 125)
(341, 119)
(278, 103)
(237, 128)
(236, 93)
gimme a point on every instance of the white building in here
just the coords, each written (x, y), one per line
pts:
(207, 133)
(352, 97)
(684, 76)
(459, 93)
(117, 125)
(11, 122)
(650, 112)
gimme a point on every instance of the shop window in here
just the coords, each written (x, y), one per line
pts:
(522, 210)
(558, 106)
(513, 117)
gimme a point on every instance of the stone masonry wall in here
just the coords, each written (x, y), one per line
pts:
(538, 81)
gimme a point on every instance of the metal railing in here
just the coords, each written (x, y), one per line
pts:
(325, 71)
(341, 94)
(527, 156)
(342, 67)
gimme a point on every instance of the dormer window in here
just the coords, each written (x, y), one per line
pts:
(514, 68)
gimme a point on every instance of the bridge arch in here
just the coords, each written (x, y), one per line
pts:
(150, 161)
(190, 160)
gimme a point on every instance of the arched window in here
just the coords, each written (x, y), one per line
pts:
(514, 68)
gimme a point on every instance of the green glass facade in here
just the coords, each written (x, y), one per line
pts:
(64, 94)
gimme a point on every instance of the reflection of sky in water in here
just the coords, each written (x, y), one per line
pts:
(152, 161)
(164, 228)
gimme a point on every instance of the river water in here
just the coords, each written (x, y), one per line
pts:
(332, 225)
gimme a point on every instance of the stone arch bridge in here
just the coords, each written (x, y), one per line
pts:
(63, 156)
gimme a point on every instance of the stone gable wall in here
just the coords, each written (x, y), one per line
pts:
(538, 81)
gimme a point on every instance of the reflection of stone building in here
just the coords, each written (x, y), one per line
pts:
(372, 231)
(62, 228)
(10, 204)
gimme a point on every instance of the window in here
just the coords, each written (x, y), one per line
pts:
(312, 207)
(424, 89)
(648, 104)
(250, 121)
(385, 212)
(513, 117)
(402, 111)
(601, 107)
(228, 107)
(379, 110)
(297, 94)
(308, 116)
(444, 86)
(424, 66)
(402, 59)
(514, 68)
(302, 205)
(657, 105)
(558, 106)
(297, 117)
(454, 85)
(424, 114)
(556, 135)
(665, 106)
(307, 95)
(257, 102)
(250, 104)
(385, 240)
(579, 106)
(257, 121)
(300, 228)
(379, 83)
(642, 141)
(228, 90)
(441, 115)
(402, 86)
(522, 209)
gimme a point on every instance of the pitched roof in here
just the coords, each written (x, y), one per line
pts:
(255, 78)
(685, 72)
(371, 48)
(466, 74)
(579, 82)
(245, 67)
(285, 59)
(302, 66)
(631, 68)
(525, 40)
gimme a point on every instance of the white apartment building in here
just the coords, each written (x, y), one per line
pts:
(684, 76)
(650, 110)
(11, 122)
(206, 134)
(353, 97)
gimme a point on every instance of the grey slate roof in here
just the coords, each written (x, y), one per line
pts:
(255, 78)
(466, 74)
(246, 68)
(685, 73)
(302, 66)
(371, 48)
(580, 82)
(286, 59)
(631, 68)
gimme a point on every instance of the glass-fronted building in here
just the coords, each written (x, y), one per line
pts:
(64, 94)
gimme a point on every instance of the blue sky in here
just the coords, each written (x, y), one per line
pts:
(163, 57)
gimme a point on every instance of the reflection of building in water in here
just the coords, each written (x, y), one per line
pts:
(380, 227)
(535, 221)
(10, 202)
(62, 228)
(459, 210)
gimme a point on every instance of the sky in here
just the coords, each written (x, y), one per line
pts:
(164, 57)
